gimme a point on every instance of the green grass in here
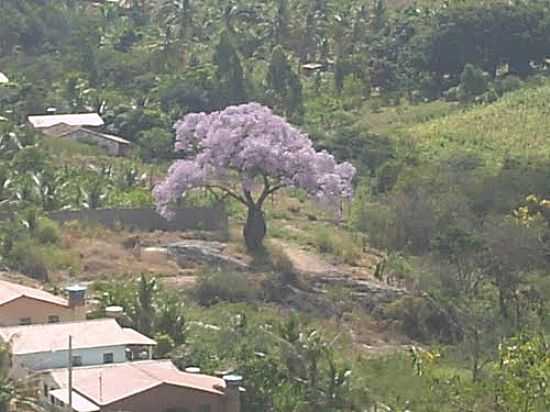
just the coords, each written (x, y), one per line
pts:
(515, 125)
(389, 119)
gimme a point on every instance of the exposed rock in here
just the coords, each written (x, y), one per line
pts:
(203, 252)
(371, 294)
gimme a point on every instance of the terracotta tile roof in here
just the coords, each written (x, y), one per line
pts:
(123, 380)
(12, 291)
(78, 119)
(55, 336)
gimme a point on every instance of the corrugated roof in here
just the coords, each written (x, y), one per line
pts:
(78, 119)
(3, 78)
(122, 380)
(11, 291)
(53, 337)
(79, 403)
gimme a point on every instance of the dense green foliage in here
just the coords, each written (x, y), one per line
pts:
(441, 105)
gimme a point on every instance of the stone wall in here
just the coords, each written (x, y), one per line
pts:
(146, 219)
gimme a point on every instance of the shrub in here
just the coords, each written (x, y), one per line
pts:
(28, 258)
(473, 81)
(216, 287)
(341, 245)
(282, 265)
(47, 231)
(508, 84)
(165, 345)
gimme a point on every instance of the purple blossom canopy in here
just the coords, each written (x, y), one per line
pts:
(257, 146)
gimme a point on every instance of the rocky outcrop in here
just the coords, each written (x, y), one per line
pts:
(204, 253)
(370, 294)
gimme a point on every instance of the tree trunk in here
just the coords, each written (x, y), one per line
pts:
(255, 229)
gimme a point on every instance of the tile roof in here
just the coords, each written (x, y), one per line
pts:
(79, 119)
(123, 380)
(53, 337)
(12, 291)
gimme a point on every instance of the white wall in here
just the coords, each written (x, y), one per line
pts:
(59, 359)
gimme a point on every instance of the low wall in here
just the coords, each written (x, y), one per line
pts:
(146, 219)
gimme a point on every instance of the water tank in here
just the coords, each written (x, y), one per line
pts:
(77, 295)
(114, 312)
(233, 381)
(192, 369)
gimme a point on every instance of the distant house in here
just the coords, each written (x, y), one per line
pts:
(147, 386)
(79, 119)
(114, 145)
(95, 342)
(22, 305)
(3, 78)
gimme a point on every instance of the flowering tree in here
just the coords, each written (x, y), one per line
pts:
(248, 153)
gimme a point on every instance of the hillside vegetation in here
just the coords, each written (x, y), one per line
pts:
(515, 126)
(426, 291)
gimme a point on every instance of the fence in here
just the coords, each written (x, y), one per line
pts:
(146, 219)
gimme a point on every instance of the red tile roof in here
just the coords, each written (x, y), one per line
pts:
(12, 291)
(55, 336)
(123, 380)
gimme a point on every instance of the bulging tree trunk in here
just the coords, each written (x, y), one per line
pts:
(254, 229)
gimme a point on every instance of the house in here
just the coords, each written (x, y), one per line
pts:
(22, 305)
(145, 386)
(114, 145)
(94, 342)
(3, 78)
(79, 119)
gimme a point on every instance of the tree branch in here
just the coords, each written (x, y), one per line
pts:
(229, 193)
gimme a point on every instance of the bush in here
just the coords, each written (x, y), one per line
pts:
(473, 81)
(216, 287)
(47, 231)
(341, 245)
(165, 345)
(508, 84)
(282, 265)
(28, 258)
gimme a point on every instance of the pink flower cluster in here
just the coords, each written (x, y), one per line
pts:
(255, 144)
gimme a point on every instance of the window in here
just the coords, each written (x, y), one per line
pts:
(52, 400)
(25, 321)
(108, 358)
(77, 360)
(46, 390)
(53, 319)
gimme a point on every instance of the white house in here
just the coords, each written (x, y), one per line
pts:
(77, 119)
(94, 342)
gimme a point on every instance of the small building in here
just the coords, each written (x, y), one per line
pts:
(114, 145)
(94, 342)
(3, 78)
(22, 305)
(78, 119)
(145, 386)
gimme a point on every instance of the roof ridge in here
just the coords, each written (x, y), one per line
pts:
(58, 324)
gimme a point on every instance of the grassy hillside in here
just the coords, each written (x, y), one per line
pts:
(518, 124)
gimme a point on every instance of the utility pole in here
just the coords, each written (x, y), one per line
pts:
(70, 369)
